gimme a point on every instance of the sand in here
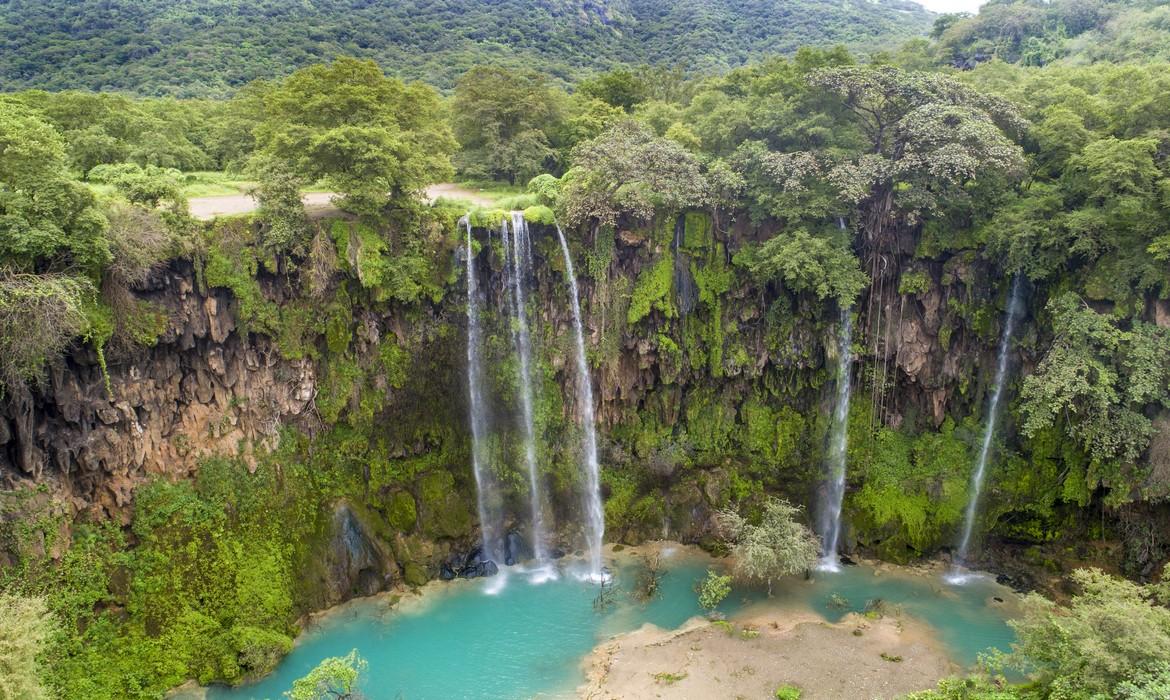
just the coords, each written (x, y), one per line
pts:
(704, 660)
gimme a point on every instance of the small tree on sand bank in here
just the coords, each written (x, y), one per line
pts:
(777, 546)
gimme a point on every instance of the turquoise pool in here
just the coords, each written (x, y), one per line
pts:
(478, 639)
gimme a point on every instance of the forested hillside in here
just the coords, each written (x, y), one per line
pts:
(211, 47)
(1036, 32)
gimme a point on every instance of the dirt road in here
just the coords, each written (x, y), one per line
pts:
(206, 208)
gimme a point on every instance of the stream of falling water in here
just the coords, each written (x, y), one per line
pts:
(838, 448)
(980, 472)
(520, 259)
(595, 516)
(486, 491)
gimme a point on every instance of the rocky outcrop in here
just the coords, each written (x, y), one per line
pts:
(354, 561)
(204, 389)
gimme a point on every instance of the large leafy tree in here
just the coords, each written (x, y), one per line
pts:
(374, 139)
(629, 171)
(503, 119)
(1096, 381)
(47, 220)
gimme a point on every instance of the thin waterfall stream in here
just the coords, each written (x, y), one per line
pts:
(595, 516)
(980, 473)
(520, 259)
(838, 448)
(486, 491)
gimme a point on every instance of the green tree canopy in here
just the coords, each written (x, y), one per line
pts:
(371, 138)
(502, 119)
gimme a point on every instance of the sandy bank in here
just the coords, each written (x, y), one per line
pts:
(830, 661)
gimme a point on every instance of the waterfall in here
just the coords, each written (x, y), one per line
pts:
(838, 446)
(1001, 366)
(520, 258)
(595, 525)
(486, 492)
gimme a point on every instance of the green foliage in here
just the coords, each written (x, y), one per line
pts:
(371, 138)
(915, 487)
(628, 171)
(1112, 638)
(805, 263)
(25, 626)
(1096, 380)
(774, 547)
(501, 118)
(652, 291)
(712, 590)
(212, 48)
(788, 692)
(335, 678)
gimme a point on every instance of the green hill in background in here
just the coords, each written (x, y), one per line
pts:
(207, 48)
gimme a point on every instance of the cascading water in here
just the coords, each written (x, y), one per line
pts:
(595, 525)
(977, 476)
(830, 511)
(486, 492)
(517, 250)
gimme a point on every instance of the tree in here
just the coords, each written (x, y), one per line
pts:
(619, 87)
(25, 626)
(806, 263)
(712, 590)
(629, 171)
(1097, 379)
(371, 138)
(335, 678)
(47, 219)
(502, 119)
(776, 546)
(1111, 640)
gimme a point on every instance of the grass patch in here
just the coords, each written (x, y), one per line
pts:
(667, 678)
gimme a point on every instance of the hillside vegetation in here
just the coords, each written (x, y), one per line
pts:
(211, 47)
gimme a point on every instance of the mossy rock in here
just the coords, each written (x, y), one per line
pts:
(540, 214)
(401, 511)
(488, 218)
(444, 513)
(414, 575)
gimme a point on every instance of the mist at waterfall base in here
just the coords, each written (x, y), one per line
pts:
(958, 575)
(528, 640)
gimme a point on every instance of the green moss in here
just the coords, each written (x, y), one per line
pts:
(540, 214)
(401, 512)
(696, 231)
(652, 291)
(488, 218)
(414, 575)
(914, 282)
(444, 514)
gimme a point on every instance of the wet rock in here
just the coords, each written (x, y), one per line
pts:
(515, 549)
(354, 562)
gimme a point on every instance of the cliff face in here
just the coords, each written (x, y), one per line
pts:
(204, 389)
(711, 389)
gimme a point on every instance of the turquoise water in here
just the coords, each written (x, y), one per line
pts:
(527, 640)
(966, 618)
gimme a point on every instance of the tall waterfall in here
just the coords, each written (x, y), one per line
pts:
(595, 525)
(487, 501)
(830, 511)
(518, 250)
(1001, 366)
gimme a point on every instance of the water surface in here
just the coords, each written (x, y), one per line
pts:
(467, 640)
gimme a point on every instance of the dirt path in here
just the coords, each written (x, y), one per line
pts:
(206, 208)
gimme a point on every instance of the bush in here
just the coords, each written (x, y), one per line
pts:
(712, 590)
(788, 692)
